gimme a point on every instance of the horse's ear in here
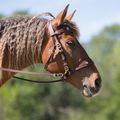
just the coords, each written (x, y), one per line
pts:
(69, 17)
(61, 16)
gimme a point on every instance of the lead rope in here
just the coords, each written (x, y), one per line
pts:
(38, 81)
(31, 73)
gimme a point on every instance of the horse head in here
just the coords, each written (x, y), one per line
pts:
(84, 74)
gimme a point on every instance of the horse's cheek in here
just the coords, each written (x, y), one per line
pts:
(53, 67)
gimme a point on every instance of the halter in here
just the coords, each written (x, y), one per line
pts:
(58, 49)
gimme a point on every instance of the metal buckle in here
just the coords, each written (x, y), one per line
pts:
(58, 75)
(66, 68)
(59, 47)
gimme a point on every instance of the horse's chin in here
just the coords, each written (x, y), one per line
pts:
(86, 93)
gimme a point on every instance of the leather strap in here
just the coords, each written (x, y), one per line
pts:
(26, 72)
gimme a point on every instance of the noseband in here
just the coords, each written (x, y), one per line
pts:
(58, 49)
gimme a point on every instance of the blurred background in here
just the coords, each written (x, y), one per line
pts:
(99, 24)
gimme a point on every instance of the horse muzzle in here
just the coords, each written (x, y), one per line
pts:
(89, 91)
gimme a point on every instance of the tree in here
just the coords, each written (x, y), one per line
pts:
(20, 12)
(1, 15)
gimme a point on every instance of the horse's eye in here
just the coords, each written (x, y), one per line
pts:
(70, 43)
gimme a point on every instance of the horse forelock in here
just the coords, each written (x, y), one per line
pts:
(23, 37)
(73, 27)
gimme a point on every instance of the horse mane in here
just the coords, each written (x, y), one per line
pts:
(20, 34)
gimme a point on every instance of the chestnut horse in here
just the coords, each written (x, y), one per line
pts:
(30, 40)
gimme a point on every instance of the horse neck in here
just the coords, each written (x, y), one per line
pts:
(20, 52)
(11, 61)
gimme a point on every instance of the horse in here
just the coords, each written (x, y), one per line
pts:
(27, 40)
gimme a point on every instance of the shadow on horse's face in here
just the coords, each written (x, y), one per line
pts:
(87, 78)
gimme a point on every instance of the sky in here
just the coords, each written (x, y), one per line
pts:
(91, 15)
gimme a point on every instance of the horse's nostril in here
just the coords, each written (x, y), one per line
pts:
(97, 83)
(92, 89)
(85, 86)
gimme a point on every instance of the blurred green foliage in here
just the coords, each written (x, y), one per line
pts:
(60, 101)
(19, 12)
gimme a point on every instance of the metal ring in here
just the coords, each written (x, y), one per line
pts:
(66, 68)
